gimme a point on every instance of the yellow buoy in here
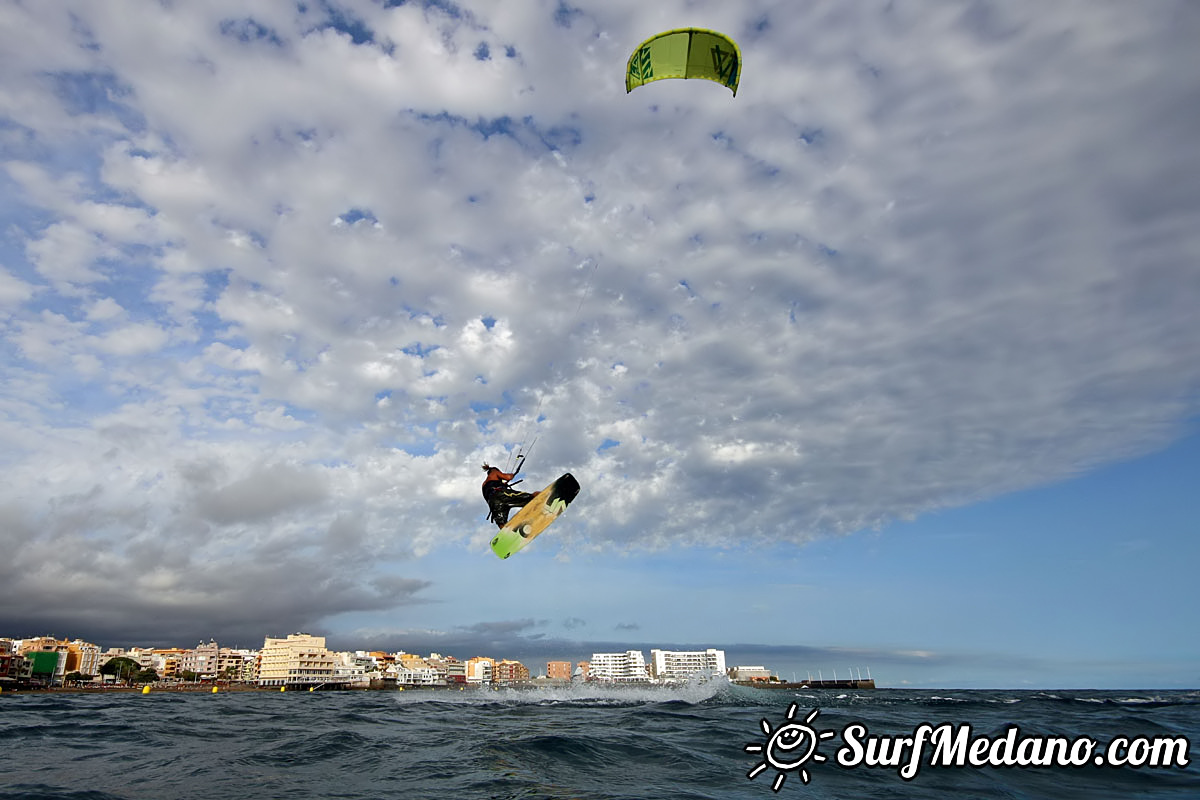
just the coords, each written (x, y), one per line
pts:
(145, 690)
(214, 690)
(283, 688)
(312, 688)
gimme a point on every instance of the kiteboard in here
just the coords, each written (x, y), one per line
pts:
(535, 516)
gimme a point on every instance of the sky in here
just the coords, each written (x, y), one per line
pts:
(888, 363)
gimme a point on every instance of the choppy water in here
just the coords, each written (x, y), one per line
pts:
(582, 742)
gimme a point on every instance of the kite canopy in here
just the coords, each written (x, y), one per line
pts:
(685, 53)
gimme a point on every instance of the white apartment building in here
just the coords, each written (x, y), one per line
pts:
(352, 670)
(298, 659)
(683, 664)
(414, 675)
(627, 667)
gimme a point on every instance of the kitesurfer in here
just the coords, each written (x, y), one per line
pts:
(500, 496)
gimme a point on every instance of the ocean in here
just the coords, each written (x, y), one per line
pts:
(596, 742)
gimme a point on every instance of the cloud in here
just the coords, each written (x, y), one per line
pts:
(260, 495)
(276, 279)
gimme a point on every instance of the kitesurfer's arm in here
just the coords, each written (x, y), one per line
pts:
(494, 475)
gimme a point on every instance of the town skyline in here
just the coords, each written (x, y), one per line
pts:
(835, 665)
(108, 647)
(304, 659)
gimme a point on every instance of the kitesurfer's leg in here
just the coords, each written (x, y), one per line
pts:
(518, 499)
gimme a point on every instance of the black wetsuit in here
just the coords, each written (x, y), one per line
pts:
(501, 499)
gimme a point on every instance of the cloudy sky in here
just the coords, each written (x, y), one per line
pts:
(891, 361)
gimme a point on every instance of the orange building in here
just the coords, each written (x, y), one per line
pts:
(510, 672)
(560, 670)
(481, 669)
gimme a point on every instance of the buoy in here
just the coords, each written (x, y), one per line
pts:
(214, 690)
(283, 688)
(145, 690)
(312, 688)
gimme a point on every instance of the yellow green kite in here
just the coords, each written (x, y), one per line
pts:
(685, 53)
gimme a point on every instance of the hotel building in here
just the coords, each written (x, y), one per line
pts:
(298, 659)
(683, 664)
(627, 667)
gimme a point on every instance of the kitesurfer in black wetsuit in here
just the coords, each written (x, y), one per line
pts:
(502, 498)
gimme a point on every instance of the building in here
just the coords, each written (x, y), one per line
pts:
(371, 666)
(750, 674)
(627, 667)
(203, 660)
(441, 665)
(456, 671)
(14, 669)
(166, 661)
(300, 659)
(78, 655)
(558, 670)
(237, 665)
(480, 669)
(353, 669)
(40, 644)
(47, 667)
(83, 657)
(412, 670)
(507, 672)
(680, 665)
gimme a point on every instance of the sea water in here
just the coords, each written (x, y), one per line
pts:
(703, 741)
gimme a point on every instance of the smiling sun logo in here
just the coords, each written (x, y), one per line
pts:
(788, 748)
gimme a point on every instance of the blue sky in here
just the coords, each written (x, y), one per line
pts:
(889, 362)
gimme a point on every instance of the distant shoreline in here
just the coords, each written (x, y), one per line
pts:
(207, 688)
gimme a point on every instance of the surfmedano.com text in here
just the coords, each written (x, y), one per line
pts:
(954, 746)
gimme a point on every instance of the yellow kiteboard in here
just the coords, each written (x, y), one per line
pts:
(535, 516)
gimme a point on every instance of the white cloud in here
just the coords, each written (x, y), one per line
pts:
(133, 340)
(13, 290)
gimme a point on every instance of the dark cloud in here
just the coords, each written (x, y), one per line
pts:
(233, 601)
(265, 492)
